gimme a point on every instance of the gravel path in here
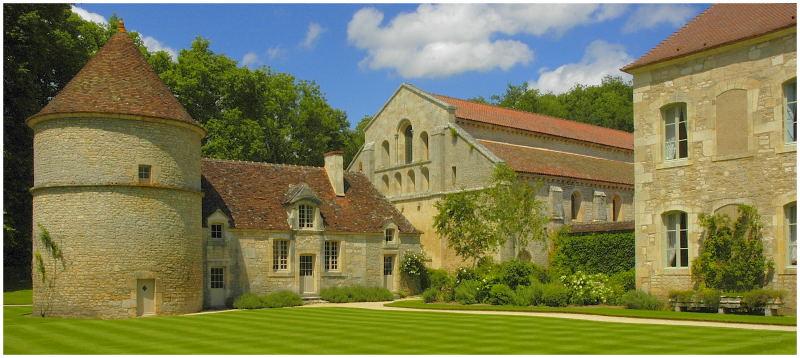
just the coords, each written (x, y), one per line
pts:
(585, 317)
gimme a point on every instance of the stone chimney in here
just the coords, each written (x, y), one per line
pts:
(334, 166)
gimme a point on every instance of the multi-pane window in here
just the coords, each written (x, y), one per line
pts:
(388, 265)
(677, 239)
(791, 231)
(306, 216)
(389, 235)
(144, 173)
(216, 231)
(217, 276)
(332, 255)
(280, 255)
(790, 113)
(676, 142)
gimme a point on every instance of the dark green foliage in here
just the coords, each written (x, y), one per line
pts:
(355, 294)
(756, 299)
(430, 295)
(467, 292)
(500, 294)
(554, 294)
(440, 279)
(528, 295)
(275, 299)
(640, 300)
(515, 273)
(248, 301)
(606, 253)
(466, 273)
(731, 256)
(626, 280)
(708, 297)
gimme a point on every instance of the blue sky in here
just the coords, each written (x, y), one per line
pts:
(360, 53)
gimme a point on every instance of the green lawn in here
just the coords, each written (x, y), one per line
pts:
(360, 331)
(19, 297)
(608, 311)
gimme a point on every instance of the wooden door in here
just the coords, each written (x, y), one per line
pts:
(216, 287)
(145, 297)
(306, 274)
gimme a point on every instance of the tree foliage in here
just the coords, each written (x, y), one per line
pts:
(609, 104)
(608, 253)
(731, 254)
(476, 222)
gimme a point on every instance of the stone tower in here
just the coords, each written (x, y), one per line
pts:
(117, 187)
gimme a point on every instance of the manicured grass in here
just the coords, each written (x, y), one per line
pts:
(608, 311)
(19, 297)
(361, 331)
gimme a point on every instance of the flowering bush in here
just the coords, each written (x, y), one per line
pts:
(414, 273)
(587, 289)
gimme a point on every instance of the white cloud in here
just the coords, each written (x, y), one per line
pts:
(446, 39)
(599, 60)
(249, 58)
(650, 16)
(88, 15)
(154, 45)
(312, 35)
(275, 52)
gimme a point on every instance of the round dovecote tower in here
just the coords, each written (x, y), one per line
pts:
(117, 188)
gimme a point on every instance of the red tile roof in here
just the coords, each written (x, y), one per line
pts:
(117, 80)
(539, 123)
(719, 25)
(549, 162)
(253, 194)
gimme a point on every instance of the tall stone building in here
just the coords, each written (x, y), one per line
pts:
(716, 126)
(419, 147)
(144, 226)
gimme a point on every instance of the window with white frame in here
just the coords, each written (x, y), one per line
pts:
(677, 237)
(144, 173)
(305, 216)
(676, 141)
(791, 231)
(217, 277)
(790, 112)
(389, 235)
(332, 255)
(280, 255)
(216, 231)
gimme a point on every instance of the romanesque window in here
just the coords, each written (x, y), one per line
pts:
(398, 183)
(280, 255)
(616, 207)
(385, 180)
(411, 185)
(732, 130)
(305, 216)
(408, 143)
(791, 231)
(676, 142)
(424, 139)
(385, 154)
(216, 231)
(677, 239)
(389, 235)
(576, 206)
(144, 173)
(453, 175)
(425, 184)
(332, 255)
(790, 113)
(217, 277)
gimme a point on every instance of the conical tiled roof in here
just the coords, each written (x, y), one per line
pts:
(117, 80)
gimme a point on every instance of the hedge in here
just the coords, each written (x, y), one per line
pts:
(607, 253)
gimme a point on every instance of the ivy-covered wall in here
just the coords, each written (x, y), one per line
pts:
(606, 252)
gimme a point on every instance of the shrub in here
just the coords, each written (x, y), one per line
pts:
(467, 292)
(587, 289)
(705, 296)
(539, 274)
(430, 295)
(515, 273)
(501, 294)
(413, 271)
(445, 294)
(355, 294)
(625, 279)
(248, 301)
(731, 255)
(528, 295)
(439, 279)
(606, 253)
(466, 274)
(281, 299)
(640, 300)
(554, 294)
(757, 299)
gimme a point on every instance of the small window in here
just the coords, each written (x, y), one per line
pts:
(677, 239)
(616, 203)
(280, 255)
(332, 255)
(790, 113)
(575, 203)
(217, 276)
(216, 231)
(408, 143)
(144, 173)
(305, 216)
(791, 231)
(676, 142)
(453, 175)
(389, 235)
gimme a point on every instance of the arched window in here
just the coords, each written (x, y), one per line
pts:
(425, 183)
(408, 143)
(790, 211)
(385, 180)
(616, 208)
(385, 157)
(790, 112)
(576, 206)
(360, 167)
(398, 183)
(677, 238)
(676, 140)
(424, 139)
(410, 186)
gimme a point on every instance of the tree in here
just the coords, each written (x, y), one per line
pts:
(476, 222)
(354, 139)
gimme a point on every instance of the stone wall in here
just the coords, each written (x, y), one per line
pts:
(761, 172)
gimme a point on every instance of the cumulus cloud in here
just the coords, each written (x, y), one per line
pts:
(154, 45)
(599, 60)
(650, 16)
(88, 15)
(275, 52)
(249, 58)
(446, 39)
(312, 35)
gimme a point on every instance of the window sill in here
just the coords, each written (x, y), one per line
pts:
(216, 242)
(786, 148)
(280, 274)
(676, 271)
(334, 274)
(722, 158)
(673, 163)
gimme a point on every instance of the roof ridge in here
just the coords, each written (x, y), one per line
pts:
(238, 161)
(551, 150)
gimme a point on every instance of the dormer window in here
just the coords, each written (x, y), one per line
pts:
(144, 173)
(305, 216)
(389, 235)
(216, 231)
